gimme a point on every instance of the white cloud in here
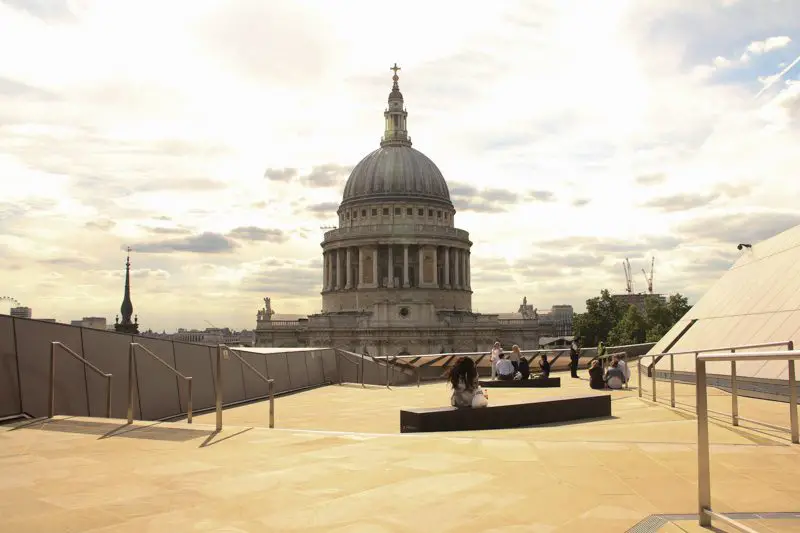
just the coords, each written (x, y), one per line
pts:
(769, 44)
(216, 136)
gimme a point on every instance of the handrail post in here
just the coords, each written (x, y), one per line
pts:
(654, 379)
(639, 371)
(672, 380)
(793, 403)
(338, 366)
(108, 396)
(51, 404)
(271, 391)
(131, 353)
(189, 402)
(418, 376)
(734, 393)
(703, 458)
(218, 387)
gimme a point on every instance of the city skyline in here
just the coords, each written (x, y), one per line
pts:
(216, 144)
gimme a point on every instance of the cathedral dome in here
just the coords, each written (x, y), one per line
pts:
(396, 170)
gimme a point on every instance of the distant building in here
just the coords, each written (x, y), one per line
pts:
(21, 312)
(636, 300)
(208, 336)
(92, 322)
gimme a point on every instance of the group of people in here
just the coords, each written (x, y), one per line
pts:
(463, 375)
(615, 376)
(514, 366)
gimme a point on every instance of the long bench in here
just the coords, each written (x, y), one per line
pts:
(532, 413)
(535, 382)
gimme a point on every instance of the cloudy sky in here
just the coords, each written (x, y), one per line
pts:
(215, 137)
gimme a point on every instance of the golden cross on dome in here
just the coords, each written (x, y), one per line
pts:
(395, 68)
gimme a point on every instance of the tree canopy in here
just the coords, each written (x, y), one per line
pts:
(609, 320)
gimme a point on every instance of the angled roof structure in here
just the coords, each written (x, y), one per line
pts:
(756, 301)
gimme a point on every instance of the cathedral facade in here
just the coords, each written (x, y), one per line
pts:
(396, 274)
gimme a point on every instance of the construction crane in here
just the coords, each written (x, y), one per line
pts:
(626, 266)
(649, 277)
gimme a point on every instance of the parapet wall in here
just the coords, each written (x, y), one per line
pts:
(25, 370)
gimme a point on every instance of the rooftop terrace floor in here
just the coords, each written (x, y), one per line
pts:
(336, 463)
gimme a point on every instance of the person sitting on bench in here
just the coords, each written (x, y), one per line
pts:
(596, 380)
(544, 365)
(505, 370)
(624, 367)
(524, 368)
(463, 378)
(614, 375)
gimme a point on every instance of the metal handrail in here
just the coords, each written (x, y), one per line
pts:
(703, 452)
(359, 369)
(52, 400)
(734, 383)
(536, 351)
(131, 382)
(223, 351)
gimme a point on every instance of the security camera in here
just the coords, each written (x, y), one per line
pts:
(744, 246)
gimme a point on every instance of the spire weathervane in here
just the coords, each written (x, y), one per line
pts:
(396, 133)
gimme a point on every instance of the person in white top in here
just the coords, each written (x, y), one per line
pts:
(505, 370)
(514, 357)
(494, 356)
(624, 367)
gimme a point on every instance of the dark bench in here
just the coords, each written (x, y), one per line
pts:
(534, 382)
(532, 413)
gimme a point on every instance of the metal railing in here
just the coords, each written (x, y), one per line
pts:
(132, 381)
(359, 367)
(735, 418)
(224, 352)
(51, 411)
(703, 453)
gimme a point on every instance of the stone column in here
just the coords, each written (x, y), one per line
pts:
(331, 259)
(326, 265)
(339, 281)
(405, 265)
(420, 266)
(349, 260)
(436, 266)
(468, 275)
(391, 268)
(464, 281)
(360, 266)
(375, 280)
(456, 279)
(446, 267)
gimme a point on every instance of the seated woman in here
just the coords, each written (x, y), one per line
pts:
(524, 368)
(615, 377)
(596, 380)
(544, 365)
(463, 378)
(505, 370)
(515, 357)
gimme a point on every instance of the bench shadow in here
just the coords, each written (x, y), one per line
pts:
(104, 430)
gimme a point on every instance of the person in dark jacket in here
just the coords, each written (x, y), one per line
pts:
(524, 368)
(574, 356)
(596, 378)
(544, 365)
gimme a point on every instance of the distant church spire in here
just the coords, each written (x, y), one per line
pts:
(396, 132)
(127, 326)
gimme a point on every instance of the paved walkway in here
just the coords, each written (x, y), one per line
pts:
(337, 464)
